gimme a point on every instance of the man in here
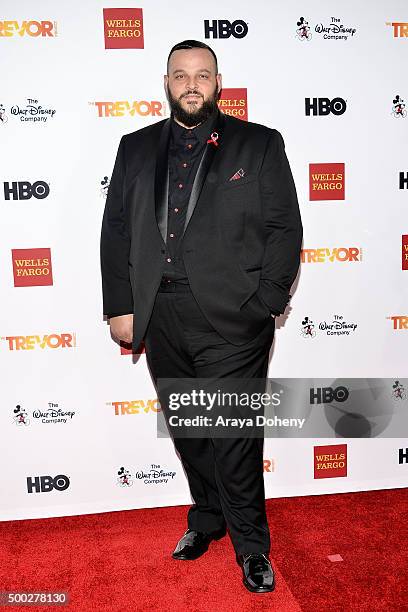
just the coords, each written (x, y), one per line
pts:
(200, 245)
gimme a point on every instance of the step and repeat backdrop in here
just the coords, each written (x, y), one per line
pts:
(78, 412)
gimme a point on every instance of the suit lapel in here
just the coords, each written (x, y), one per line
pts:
(203, 168)
(161, 181)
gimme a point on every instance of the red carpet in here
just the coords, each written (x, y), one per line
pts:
(121, 561)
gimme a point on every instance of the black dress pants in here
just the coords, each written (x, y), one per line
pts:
(225, 475)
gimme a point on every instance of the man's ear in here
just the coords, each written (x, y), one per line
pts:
(219, 82)
(166, 85)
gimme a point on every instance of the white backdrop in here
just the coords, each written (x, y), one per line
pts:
(69, 73)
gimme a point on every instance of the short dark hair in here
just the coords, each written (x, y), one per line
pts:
(192, 44)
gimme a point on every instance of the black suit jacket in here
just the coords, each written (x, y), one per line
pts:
(242, 238)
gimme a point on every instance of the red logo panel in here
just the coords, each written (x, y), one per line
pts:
(32, 267)
(123, 28)
(330, 461)
(234, 102)
(326, 182)
(405, 252)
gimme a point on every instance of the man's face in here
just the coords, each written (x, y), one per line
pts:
(192, 85)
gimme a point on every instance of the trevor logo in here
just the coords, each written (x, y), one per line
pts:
(135, 406)
(399, 321)
(269, 465)
(323, 255)
(29, 343)
(30, 28)
(400, 28)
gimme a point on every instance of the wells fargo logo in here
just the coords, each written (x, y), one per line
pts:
(123, 28)
(399, 321)
(32, 267)
(135, 407)
(29, 343)
(404, 252)
(330, 461)
(234, 102)
(28, 28)
(399, 28)
(122, 108)
(324, 255)
(326, 181)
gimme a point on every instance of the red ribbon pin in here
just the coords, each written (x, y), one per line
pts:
(213, 139)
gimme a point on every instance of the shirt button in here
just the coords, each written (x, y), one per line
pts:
(184, 165)
(189, 146)
(171, 235)
(176, 210)
(168, 259)
(180, 186)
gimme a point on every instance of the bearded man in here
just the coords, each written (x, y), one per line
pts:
(200, 245)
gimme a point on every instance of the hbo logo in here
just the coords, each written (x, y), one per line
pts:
(326, 395)
(323, 106)
(23, 190)
(222, 28)
(45, 484)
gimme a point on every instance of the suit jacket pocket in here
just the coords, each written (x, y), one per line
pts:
(245, 180)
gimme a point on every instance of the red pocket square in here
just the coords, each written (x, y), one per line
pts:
(239, 174)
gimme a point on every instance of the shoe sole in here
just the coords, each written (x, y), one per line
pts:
(259, 589)
(183, 558)
(186, 558)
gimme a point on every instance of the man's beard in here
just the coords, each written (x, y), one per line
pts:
(192, 117)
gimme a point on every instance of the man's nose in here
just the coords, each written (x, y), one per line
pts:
(191, 83)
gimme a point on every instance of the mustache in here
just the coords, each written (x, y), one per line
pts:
(190, 93)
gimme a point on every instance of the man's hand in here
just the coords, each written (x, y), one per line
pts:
(122, 327)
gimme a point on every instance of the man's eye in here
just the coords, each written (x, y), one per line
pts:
(179, 76)
(204, 76)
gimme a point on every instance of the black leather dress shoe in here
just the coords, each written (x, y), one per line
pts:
(193, 544)
(258, 576)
